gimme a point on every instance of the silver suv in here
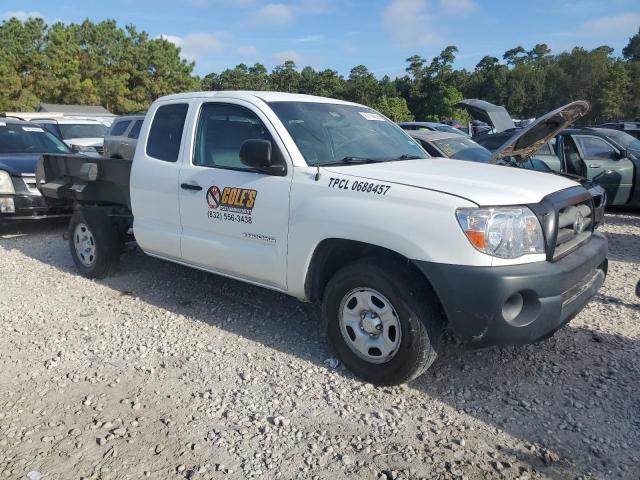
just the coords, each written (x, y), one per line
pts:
(123, 137)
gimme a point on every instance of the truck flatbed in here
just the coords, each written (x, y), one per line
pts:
(85, 180)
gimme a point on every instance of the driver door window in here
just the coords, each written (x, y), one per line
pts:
(594, 148)
(222, 129)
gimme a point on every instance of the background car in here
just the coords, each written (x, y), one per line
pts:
(585, 152)
(632, 128)
(82, 136)
(21, 146)
(122, 138)
(431, 126)
(451, 145)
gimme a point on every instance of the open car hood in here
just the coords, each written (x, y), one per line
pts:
(494, 115)
(524, 143)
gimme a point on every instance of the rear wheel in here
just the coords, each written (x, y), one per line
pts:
(382, 324)
(95, 243)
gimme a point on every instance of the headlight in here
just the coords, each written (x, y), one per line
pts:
(6, 185)
(504, 232)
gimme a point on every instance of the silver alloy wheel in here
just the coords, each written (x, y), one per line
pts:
(370, 325)
(85, 244)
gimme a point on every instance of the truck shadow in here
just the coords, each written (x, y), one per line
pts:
(565, 394)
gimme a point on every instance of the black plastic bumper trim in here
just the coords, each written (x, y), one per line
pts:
(473, 297)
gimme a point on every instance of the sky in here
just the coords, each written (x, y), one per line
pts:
(340, 34)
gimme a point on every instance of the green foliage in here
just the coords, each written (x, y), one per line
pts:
(125, 70)
(632, 50)
(393, 107)
(88, 63)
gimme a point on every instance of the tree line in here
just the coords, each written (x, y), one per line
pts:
(124, 70)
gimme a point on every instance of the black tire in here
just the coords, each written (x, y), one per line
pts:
(105, 238)
(417, 312)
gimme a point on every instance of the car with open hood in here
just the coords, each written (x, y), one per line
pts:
(331, 202)
(517, 149)
(593, 153)
(21, 146)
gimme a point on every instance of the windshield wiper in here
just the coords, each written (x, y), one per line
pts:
(408, 157)
(348, 161)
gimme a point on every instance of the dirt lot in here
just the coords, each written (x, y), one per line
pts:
(167, 372)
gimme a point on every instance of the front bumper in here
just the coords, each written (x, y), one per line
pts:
(35, 207)
(520, 303)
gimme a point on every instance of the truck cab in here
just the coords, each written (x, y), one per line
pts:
(331, 202)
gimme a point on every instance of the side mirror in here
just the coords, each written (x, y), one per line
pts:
(256, 154)
(623, 154)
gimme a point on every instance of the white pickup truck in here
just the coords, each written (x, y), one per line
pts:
(329, 201)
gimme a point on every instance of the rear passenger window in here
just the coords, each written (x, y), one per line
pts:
(135, 130)
(165, 134)
(119, 128)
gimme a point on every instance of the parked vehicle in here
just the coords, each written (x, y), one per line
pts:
(21, 145)
(585, 152)
(495, 116)
(632, 128)
(122, 138)
(328, 201)
(82, 136)
(453, 146)
(623, 139)
(431, 126)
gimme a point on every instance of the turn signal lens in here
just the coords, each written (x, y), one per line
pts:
(477, 239)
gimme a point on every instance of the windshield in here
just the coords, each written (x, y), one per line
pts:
(20, 138)
(82, 130)
(624, 140)
(328, 133)
(463, 149)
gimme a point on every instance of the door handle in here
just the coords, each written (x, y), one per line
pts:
(594, 165)
(188, 186)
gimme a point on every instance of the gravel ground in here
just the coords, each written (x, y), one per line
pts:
(167, 372)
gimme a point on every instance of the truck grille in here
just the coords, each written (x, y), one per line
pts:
(567, 220)
(574, 227)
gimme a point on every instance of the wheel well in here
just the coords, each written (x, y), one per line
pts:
(334, 253)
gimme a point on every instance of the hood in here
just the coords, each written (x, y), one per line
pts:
(483, 184)
(525, 142)
(85, 142)
(494, 115)
(19, 163)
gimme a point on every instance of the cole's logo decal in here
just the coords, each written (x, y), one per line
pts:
(239, 200)
(231, 204)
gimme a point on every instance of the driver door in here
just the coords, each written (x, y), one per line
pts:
(606, 167)
(235, 220)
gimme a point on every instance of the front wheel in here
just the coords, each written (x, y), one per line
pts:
(383, 326)
(94, 243)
